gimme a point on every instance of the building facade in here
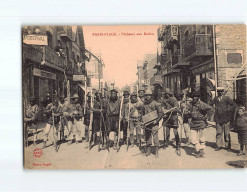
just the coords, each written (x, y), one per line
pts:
(46, 69)
(193, 56)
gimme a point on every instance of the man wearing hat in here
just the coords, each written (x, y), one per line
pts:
(141, 94)
(77, 114)
(125, 122)
(112, 114)
(97, 109)
(133, 112)
(184, 105)
(31, 117)
(200, 112)
(151, 130)
(171, 120)
(66, 119)
(53, 112)
(224, 111)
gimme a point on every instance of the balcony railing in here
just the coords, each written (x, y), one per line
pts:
(53, 59)
(67, 32)
(198, 45)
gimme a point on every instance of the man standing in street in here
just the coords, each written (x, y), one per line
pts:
(152, 129)
(77, 114)
(200, 112)
(184, 106)
(171, 120)
(32, 112)
(224, 111)
(125, 113)
(53, 112)
(112, 113)
(135, 115)
(96, 119)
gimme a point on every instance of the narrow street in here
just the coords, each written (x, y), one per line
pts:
(76, 156)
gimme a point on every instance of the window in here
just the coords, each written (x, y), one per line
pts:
(234, 58)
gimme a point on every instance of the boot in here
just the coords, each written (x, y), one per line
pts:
(44, 145)
(132, 141)
(165, 144)
(56, 146)
(178, 149)
(156, 151)
(115, 146)
(115, 142)
(148, 151)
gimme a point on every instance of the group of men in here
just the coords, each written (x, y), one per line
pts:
(126, 113)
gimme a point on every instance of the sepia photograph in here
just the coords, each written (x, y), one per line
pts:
(134, 96)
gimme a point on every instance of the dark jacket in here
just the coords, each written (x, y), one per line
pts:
(199, 114)
(224, 109)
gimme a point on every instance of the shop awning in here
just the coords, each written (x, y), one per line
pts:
(82, 87)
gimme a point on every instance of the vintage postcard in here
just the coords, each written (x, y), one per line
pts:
(134, 97)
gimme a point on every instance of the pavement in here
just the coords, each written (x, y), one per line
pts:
(77, 156)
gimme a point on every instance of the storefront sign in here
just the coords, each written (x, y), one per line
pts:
(44, 74)
(203, 69)
(35, 40)
(78, 77)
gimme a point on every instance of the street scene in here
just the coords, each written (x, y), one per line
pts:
(134, 97)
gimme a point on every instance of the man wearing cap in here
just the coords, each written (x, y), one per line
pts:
(171, 120)
(76, 113)
(151, 130)
(200, 112)
(112, 113)
(53, 112)
(31, 117)
(135, 107)
(125, 121)
(224, 111)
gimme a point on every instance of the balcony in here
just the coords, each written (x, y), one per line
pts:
(53, 60)
(32, 53)
(66, 32)
(199, 45)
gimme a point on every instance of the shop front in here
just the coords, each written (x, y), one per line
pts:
(202, 79)
(32, 57)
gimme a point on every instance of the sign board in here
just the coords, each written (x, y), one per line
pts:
(44, 74)
(35, 40)
(78, 77)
